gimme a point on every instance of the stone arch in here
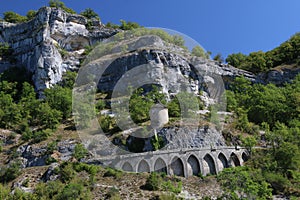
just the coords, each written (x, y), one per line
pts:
(245, 157)
(209, 165)
(160, 166)
(235, 161)
(177, 167)
(127, 167)
(143, 166)
(193, 166)
(222, 162)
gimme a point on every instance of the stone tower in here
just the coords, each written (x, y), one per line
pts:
(159, 115)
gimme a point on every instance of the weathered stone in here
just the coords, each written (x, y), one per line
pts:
(37, 44)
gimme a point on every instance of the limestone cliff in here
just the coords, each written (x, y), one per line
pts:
(50, 44)
(54, 41)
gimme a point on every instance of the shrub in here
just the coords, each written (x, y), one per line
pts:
(68, 79)
(107, 123)
(13, 17)
(90, 14)
(61, 5)
(245, 182)
(48, 190)
(40, 136)
(153, 182)
(74, 191)
(31, 14)
(112, 173)
(278, 182)
(60, 99)
(199, 52)
(67, 173)
(5, 50)
(80, 151)
(9, 173)
(113, 194)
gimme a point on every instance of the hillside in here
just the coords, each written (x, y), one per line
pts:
(78, 98)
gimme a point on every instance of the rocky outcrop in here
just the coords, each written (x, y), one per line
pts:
(278, 77)
(192, 137)
(50, 44)
(31, 155)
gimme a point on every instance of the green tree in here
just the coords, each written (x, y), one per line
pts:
(46, 117)
(249, 142)
(199, 52)
(68, 79)
(218, 58)
(10, 112)
(13, 17)
(255, 62)
(80, 151)
(61, 5)
(90, 14)
(236, 59)
(245, 183)
(60, 99)
(31, 14)
(129, 25)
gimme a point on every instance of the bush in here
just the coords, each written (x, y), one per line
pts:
(153, 182)
(199, 52)
(9, 173)
(90, 14)
(129, 25)
(157, 181)
(279, 183)
(80, 151)
(5, 50)
(107, 123)
(61, 5)
(113, 194)
(113, 173)
(74, 191)
(245, 182)
(68, 79)
(60, 99)
(13, 17)
(67, 173)
(48, 190)
(31, 14)
(40, 136)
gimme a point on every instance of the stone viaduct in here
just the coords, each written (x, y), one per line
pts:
(181, 162)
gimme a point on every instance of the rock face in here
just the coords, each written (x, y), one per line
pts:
(50, 44)
(37, 156)
(278, 77)
(189, 137)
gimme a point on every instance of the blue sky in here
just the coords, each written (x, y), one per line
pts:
(220, 26)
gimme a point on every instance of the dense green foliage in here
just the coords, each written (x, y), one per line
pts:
(22, 111)
(80, 151)
(13, 17)
(243, 183)
(125, 25)
(61, 5)
(5, 50)
(184, 105)
(141, 103)
(276, 111)
(90, 14)
(286, 53)
(158, 181)
(199, 52)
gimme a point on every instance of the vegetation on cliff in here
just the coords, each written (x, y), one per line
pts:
(264, 115)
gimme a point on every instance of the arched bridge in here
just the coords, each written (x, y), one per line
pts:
(182, 162)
